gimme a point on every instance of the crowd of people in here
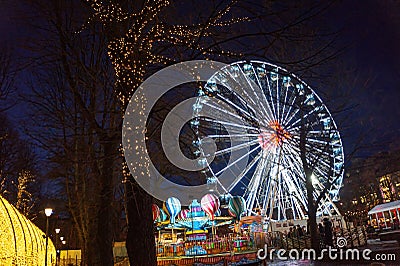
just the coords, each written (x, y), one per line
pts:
(296, 231)
(325, 230)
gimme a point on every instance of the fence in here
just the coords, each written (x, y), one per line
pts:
(355, 237)
(69, 257)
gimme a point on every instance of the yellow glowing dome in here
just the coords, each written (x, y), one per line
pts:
(21, 242)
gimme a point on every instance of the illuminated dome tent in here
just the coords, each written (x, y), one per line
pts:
(21, 242)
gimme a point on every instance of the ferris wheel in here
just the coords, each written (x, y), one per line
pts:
(267, 125)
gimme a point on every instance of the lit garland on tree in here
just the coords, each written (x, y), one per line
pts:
(24, 197)
(134, 51)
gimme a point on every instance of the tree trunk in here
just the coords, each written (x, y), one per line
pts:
(311, 204)
(312, 213)
(99, 242)
(140, 242)
(105, 211)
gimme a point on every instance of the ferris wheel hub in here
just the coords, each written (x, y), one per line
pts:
(273, 137)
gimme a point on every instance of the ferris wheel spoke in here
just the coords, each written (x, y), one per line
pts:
(292, 163)
(267, 186)
(237, 147)
(225, 117)
(264, 102)
(316, 158)
(217, 180)
(245, 171)
(324, 143)
(319, 153)
(323, 206)
(229, 124)
(291, 113)
(297, 172)
(237, 160)
(284, 103)
(316, 161)
(301, 198)
(240, 109)
(271, 97)
(280, 199)
(320, 174)
(241, 81)
(302, 118)
(316, 147)
(257, 99)
(263, 188)
(249, 101)
(316, 170)
(298, 208)
(277, 97)
(222, 136)
(224, 112)
(317, 132)
(254, 184)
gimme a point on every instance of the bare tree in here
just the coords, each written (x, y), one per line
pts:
(77, 122)
(7, 80)
(17, 168)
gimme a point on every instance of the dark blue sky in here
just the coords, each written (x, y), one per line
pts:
(373, 30)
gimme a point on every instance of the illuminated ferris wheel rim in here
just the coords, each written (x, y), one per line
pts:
(279, 71)
(278, 68)
(286, 72)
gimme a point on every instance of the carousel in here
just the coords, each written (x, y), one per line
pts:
(205, 233)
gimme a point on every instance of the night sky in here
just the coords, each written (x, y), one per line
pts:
(372, 28)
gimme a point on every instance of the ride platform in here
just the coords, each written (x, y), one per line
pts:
(226, 258)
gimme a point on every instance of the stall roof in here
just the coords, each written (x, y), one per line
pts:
(385, 207)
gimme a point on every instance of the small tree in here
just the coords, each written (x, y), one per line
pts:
(25, 197)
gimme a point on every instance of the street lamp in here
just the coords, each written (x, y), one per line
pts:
(57, 251)
(64, 242)
(48, 212)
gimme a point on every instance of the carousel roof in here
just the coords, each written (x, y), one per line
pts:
(385, 207)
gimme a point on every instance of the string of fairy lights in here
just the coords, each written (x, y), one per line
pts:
(133, 52)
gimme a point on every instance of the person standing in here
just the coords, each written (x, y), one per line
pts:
(299, 231)
(328, 232)
(290, 233)
(321, 231)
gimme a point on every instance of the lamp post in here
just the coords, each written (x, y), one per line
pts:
(62, 247)
(57, 251)
(48, 212)
(64, 242)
